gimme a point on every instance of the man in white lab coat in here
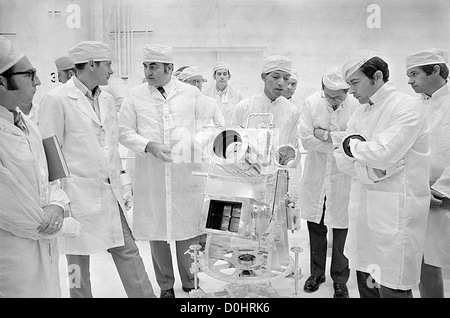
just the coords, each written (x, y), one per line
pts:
(158, 123)
(291, 88)
(211, 116)
(428, 72)
(84, 118)
(65, 68)
(31, 208)
(225, 95)
(387, 154)
(275, 75)
(324, 190)
(290, 94)
(211, 112)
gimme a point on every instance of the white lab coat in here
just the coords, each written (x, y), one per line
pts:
(295, 174)
(387, 219)
(285, 117)
(209, 111)
(227, 100)
(437, 238)
(29, 261)
(90, 147)
(321, 176)
(168, 198)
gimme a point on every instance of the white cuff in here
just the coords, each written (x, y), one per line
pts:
(362, 174)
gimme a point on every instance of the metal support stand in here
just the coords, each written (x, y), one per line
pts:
(297, 270)
(195, 269)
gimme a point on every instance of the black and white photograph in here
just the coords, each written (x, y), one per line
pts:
(224, 150)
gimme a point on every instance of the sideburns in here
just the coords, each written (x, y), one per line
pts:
(167, 69)
(11, 84)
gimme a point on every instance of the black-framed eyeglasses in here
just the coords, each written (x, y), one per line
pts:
(204, 80)
(339, 98)
(31, 73)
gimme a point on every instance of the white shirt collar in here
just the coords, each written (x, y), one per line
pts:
(167, 87)
(443, 91)
(6, 114)
(222, 92)
(382, 93)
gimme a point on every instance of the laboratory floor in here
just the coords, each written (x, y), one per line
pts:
(106, 282)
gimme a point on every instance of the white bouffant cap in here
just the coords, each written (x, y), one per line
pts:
(64, 63)
(8, 55)
(355, 61)
(332, 79)
(86, 51)
(426, 57)
(158, 53)
(277, 63)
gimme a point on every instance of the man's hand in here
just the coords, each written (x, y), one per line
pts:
(160, 151)
(53, 220)
(436, 199)
(127, 195)
(396, 168)
(321, 134)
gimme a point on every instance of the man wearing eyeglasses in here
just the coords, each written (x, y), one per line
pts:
(31, 207)
(84, 118)
(324, 190)
(212, 115)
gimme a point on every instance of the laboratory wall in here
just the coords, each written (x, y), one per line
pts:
(315, 34)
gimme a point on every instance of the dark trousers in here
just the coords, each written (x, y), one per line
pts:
(368, 288)
(431, 283)
(339, 270)
(162, 263)
(129, 265)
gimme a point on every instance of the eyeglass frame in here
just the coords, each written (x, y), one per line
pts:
(204, 80)
(337, 98)
(32, 73)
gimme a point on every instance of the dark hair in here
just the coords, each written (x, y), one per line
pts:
(166, 65)
(81, 66)
(73, 69)
(428, 69)
(10, 82)
(373, 65)
(229, 74)
(67, 72)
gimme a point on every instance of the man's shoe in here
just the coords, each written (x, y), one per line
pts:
(340, 290)
(168, 293)
(186, 289)
(312, 283)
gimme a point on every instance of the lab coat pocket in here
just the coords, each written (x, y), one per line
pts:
(85, 196)
(383, 212)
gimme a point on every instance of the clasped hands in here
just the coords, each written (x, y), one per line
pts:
(321, 134)
(53, 220)
(160, 151)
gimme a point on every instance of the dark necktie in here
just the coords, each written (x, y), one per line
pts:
(162, 91)
(18, 121)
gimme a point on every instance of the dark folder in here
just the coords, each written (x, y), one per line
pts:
(57, 167)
